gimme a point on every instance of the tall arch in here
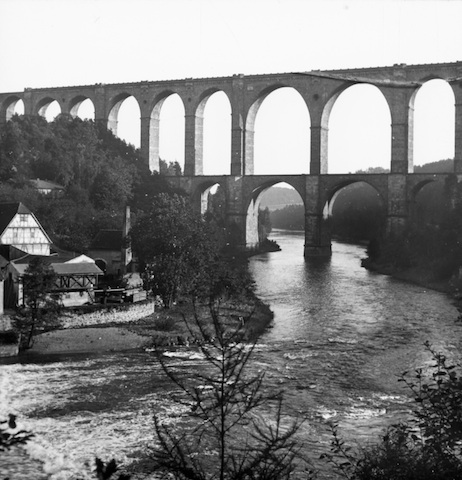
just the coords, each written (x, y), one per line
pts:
(359, 131)
(281, 123)
(216, 112)
(253, 206)
(49, 108)
(168, 128)
(82, 107)
(124, 118)
(434, 122)
(12, 106)
(356, 211)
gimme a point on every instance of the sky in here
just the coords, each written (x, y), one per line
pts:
(47, 43)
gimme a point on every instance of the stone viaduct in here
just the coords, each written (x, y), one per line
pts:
(398, 84)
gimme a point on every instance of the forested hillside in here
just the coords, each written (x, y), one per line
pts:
(100, 173)
(277, 197)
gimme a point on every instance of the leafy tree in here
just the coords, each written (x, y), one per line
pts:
(40, 302)
(224, 432)
(264, 224)
(170, 168)
(112, 186)
(176, 247)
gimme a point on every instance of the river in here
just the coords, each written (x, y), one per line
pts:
(341, 336)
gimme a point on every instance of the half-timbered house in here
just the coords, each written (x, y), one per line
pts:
(22, 238)
(20, 228)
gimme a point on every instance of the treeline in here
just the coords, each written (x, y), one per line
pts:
(100, 174)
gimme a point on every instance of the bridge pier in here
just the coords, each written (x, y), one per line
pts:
(317, 231)
(398, 206)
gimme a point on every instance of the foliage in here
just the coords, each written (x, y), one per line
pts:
(225, 432)
(176, 247)
(106, 471)
(100, 173)
(41, 303)
(291, 217)
(264, 224)
(432, 240)
(429, 446)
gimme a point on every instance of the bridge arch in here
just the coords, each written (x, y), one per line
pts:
(433, 106)
(167, 119)
(81, 101)
(113, 111)
(10, 107)
(213, 128)
(42, 107)
(252, 204)
(202, 193)
(428, 200)
(277, 130)
(359, 121)
(356, 210)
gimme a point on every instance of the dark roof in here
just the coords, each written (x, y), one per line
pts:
(107, 240)
(10, 252)
(8, 211)
(83, 268)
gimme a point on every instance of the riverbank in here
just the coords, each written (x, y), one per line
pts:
(164, 327)
(416, 275)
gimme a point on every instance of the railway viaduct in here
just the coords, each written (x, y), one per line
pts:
(398, 84)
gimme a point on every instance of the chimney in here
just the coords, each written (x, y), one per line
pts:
(126, 257)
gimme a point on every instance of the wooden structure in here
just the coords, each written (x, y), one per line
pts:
(76, 279)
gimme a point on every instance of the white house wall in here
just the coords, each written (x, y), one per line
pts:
(25, 233)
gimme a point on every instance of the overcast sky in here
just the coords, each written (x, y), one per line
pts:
(73, 42)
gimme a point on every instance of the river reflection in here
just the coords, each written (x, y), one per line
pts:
(341, 335)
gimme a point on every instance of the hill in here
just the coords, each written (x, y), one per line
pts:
(278, 197)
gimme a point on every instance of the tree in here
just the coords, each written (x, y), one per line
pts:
(226, 431)
(41, 304)
(264, 224)
(177, 248)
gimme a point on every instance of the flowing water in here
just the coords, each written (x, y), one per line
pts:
(340, 338)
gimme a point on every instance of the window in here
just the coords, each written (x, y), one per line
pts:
(23, 218)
